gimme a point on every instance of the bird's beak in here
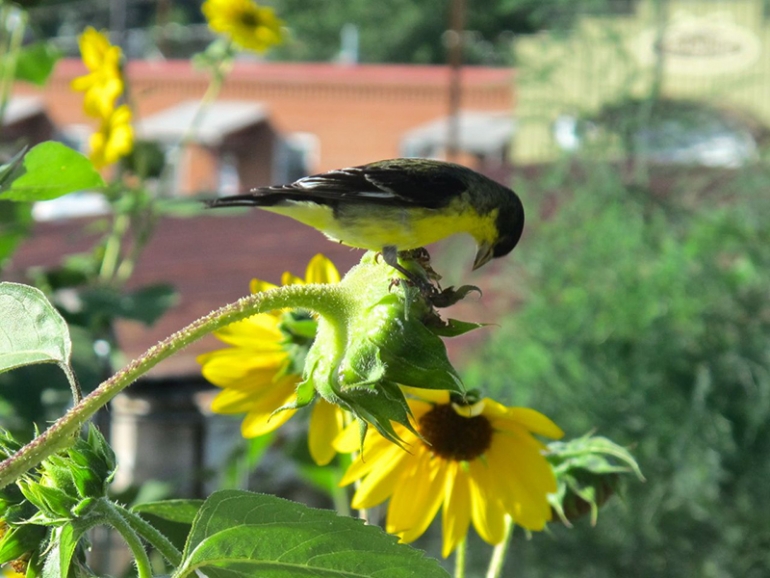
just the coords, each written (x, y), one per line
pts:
(483, 255)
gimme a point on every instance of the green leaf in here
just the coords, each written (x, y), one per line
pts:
(32, 331)
(50, 170)
(64, 544)
(592, 453)
(36, 62)
(20, 539)
(455, 327)
(182, 511)
(244, 534)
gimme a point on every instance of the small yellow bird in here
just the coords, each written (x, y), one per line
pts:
(398, 205)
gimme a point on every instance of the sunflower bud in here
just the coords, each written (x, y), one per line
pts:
(66, 483)
(386, 334)
(18, 539)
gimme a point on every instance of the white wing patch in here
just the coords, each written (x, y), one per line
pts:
(376, 194)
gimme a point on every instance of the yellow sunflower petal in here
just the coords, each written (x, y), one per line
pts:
(256, 332)
(257, 424)
(241, 369)
(417, 498)
(259, 286)
(349, 439)
(534, 421)
(230, 401)
(528, 479)
(290, 279)
(521, 434)
(377, 453)
(264, 399)
(486, 512)
(321, 270)
(325, 426)
(456, 515)
(93, 47)
(381, 481)
(431, 395)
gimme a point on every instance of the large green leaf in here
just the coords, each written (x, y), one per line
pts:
(31, 330)
(50, 170)
(36, 62)
(242, 534)
(182, 511)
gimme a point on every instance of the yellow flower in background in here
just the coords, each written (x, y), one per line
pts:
(114, 139)
(104, 83)
(260, 370)
(479, 462)
(247, 24)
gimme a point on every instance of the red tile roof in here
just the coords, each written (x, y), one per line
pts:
(304, 72)
(210, 260)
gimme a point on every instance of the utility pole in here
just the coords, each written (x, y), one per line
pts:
(455, 46)
(118, 23)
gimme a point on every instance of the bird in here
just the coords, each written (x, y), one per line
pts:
(397, 205)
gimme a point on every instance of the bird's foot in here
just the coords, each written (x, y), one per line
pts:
(422, 277)
(450, 295)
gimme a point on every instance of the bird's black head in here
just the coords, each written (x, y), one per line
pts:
(510, 224)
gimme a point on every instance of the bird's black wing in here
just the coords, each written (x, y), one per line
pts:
(399, 182)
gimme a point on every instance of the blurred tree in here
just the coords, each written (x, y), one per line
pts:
(648, 320)
(390, 30)
(413, 32)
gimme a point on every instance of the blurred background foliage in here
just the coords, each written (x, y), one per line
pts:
(388, 31)
(644, 311)
(646, 318)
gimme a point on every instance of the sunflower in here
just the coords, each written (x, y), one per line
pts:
(259, 373)
(247, 24)
(114, 139)
(480, 461)
(104, 83)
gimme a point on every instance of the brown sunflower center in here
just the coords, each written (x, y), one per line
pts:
(249, 19)
(454, 437)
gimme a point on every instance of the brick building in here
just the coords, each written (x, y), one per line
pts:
(326, 115)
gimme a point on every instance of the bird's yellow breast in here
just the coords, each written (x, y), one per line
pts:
(373, 227)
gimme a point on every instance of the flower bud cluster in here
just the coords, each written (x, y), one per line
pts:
(61, 491)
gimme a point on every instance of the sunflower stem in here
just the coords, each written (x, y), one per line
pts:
(323, 299)
(462, 549)
(500, 552)
(147, 531)
(114, 518)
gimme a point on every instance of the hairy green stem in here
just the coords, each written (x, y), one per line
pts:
(113, 246)
(500, 552)
(114, 518)
(77, 392)
(325, 300)
(152, 536)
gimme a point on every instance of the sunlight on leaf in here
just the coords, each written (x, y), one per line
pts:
(50, 170)
(32, 330)
(238, 533)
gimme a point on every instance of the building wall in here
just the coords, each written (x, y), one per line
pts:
(716, 51)
(359, 113)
